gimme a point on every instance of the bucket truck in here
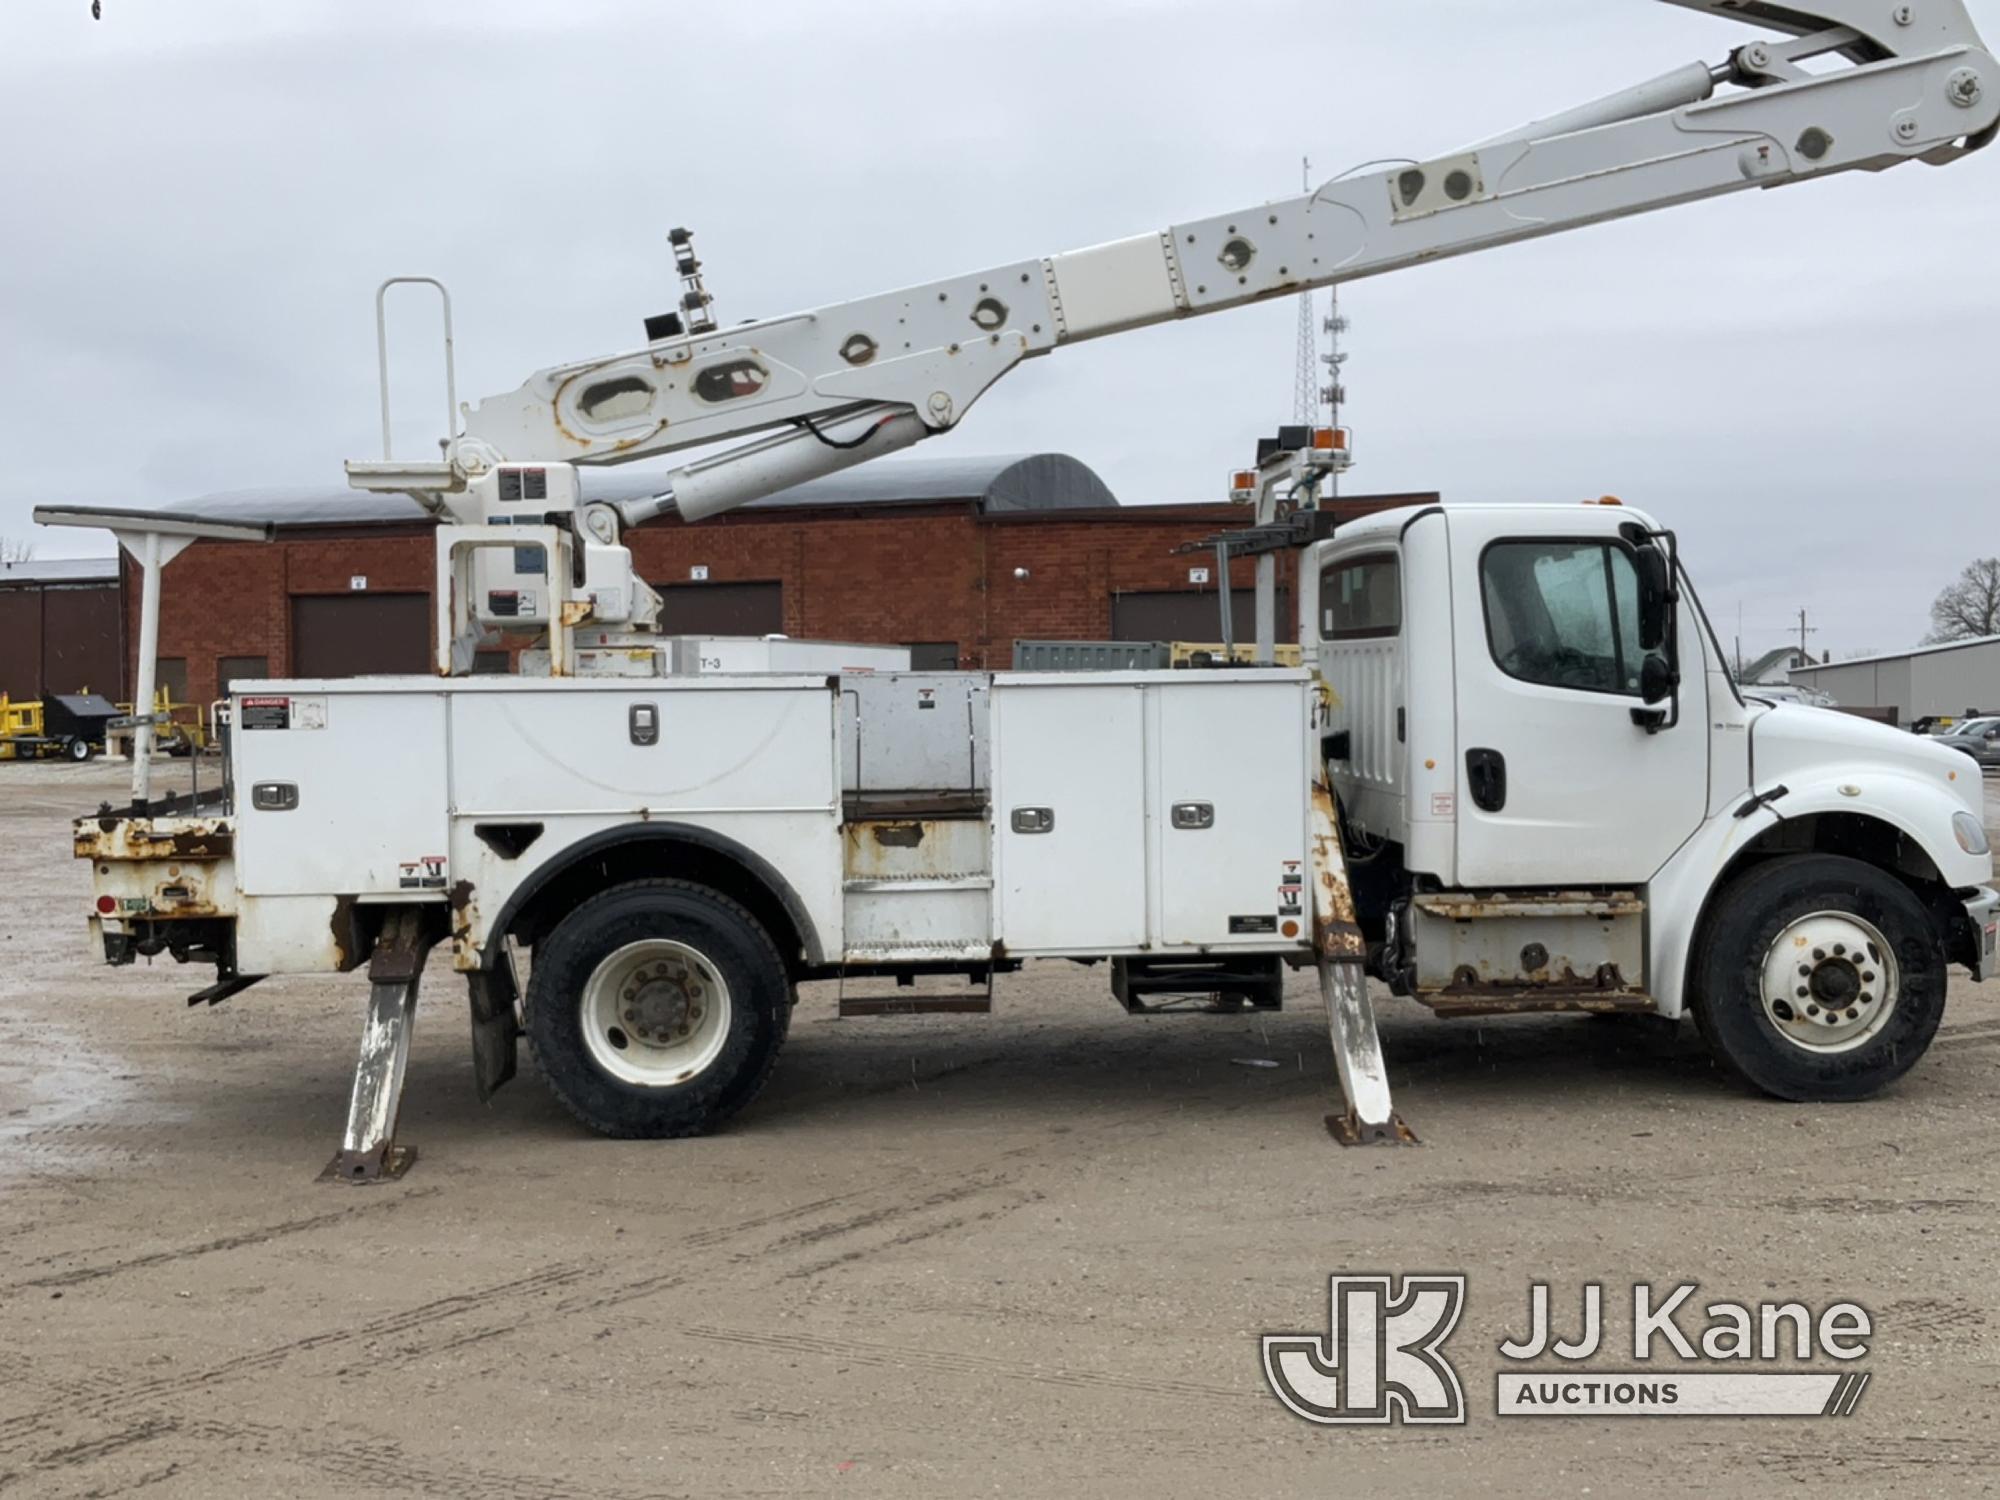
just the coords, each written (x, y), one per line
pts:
(1512, 775)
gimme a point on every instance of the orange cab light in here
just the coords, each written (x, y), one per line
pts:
(1243, 479)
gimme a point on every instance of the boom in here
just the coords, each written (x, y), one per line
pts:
(821, 390)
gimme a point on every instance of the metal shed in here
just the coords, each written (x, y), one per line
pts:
(1922, 683)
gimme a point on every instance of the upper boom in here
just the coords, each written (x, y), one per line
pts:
(855, 379)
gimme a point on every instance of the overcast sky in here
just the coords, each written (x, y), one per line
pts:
(200, 195)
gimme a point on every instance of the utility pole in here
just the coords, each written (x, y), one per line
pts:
(1804, 631)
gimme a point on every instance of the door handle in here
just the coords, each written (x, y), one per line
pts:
(1033, 820)
(1486, 779)
(1194, 815)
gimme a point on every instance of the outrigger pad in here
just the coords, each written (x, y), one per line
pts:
(1349, 1131)
(359, 1168)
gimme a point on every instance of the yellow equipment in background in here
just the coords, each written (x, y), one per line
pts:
(19, 721)
(179, 728)
(1201, 654)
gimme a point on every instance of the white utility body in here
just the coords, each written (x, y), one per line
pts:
(1511, 775)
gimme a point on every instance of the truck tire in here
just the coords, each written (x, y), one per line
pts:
(1818, 978)
(77, 749)
(657, 1009)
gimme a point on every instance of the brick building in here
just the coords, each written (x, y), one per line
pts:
(954, 557)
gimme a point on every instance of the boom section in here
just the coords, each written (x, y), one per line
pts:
(848, 375)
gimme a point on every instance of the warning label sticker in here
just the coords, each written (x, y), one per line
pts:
(1291, 888)
(425, 874)
(272, 711)
(264, 713)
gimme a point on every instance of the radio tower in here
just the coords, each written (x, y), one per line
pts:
(1333, 393)
(1308, 395)
(1305, 375)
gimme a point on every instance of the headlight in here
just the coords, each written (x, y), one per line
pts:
(1970, 832)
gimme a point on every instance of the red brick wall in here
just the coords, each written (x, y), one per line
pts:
(912, 573)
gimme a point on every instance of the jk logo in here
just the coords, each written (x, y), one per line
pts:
(1379, 1360)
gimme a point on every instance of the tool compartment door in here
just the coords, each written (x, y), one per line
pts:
(1229, 810)
(366, 769)
(1069, 752)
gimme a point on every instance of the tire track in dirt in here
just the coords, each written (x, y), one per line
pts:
(956, 1362)
(961, 1186)
(626, 1291)
(440, 1325)
(121, 1398)
(260, 1236)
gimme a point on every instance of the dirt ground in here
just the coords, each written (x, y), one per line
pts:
(1028, 1253)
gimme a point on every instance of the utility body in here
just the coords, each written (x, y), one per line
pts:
(1510, 774)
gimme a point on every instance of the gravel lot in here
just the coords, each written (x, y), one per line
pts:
(1029, 1253)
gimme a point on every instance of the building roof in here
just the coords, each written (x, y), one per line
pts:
(1754, 673)
(39, 570)
(999, 484)
(1862, 661)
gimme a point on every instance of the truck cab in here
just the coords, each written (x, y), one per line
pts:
(1554, 796)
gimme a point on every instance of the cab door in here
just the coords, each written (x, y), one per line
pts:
(1557, 785)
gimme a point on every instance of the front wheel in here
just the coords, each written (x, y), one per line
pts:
(1819, 978)
(657, 1009)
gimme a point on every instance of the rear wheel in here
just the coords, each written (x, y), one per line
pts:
(77, 749)
(657, 1009)
(1819, 978)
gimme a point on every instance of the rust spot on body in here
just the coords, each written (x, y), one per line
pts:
(343, 932)
(117, 840)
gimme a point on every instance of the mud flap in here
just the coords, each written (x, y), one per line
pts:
(493, 993)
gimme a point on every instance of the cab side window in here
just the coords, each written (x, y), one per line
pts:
(1361, 598)
(1563, 613)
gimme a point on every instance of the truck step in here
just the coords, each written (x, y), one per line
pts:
(916, 1005)
(911, 884)
(1505, 1002)
(1470, 906)
(907, 1000)
(1256, 981)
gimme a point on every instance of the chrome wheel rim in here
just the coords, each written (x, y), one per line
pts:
(1830, 982)
(655, 1013)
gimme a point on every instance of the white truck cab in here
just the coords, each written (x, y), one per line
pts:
(1528, 813)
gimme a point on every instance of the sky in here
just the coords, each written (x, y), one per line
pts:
(200, 196)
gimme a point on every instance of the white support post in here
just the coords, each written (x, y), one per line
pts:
(147, 550)
(1267, 608)
(154, 539)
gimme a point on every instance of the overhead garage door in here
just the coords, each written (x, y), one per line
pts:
(722, 608)
(60, 640)
(360, 635)
(21, 644)
(1193, 615)
(80, 630)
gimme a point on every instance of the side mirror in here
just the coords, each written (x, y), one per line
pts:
(1655, 598)
(1657, 679)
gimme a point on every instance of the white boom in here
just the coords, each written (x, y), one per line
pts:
(853, 380)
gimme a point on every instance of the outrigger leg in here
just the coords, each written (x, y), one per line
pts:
(368, 1150)
(1369, 1119)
